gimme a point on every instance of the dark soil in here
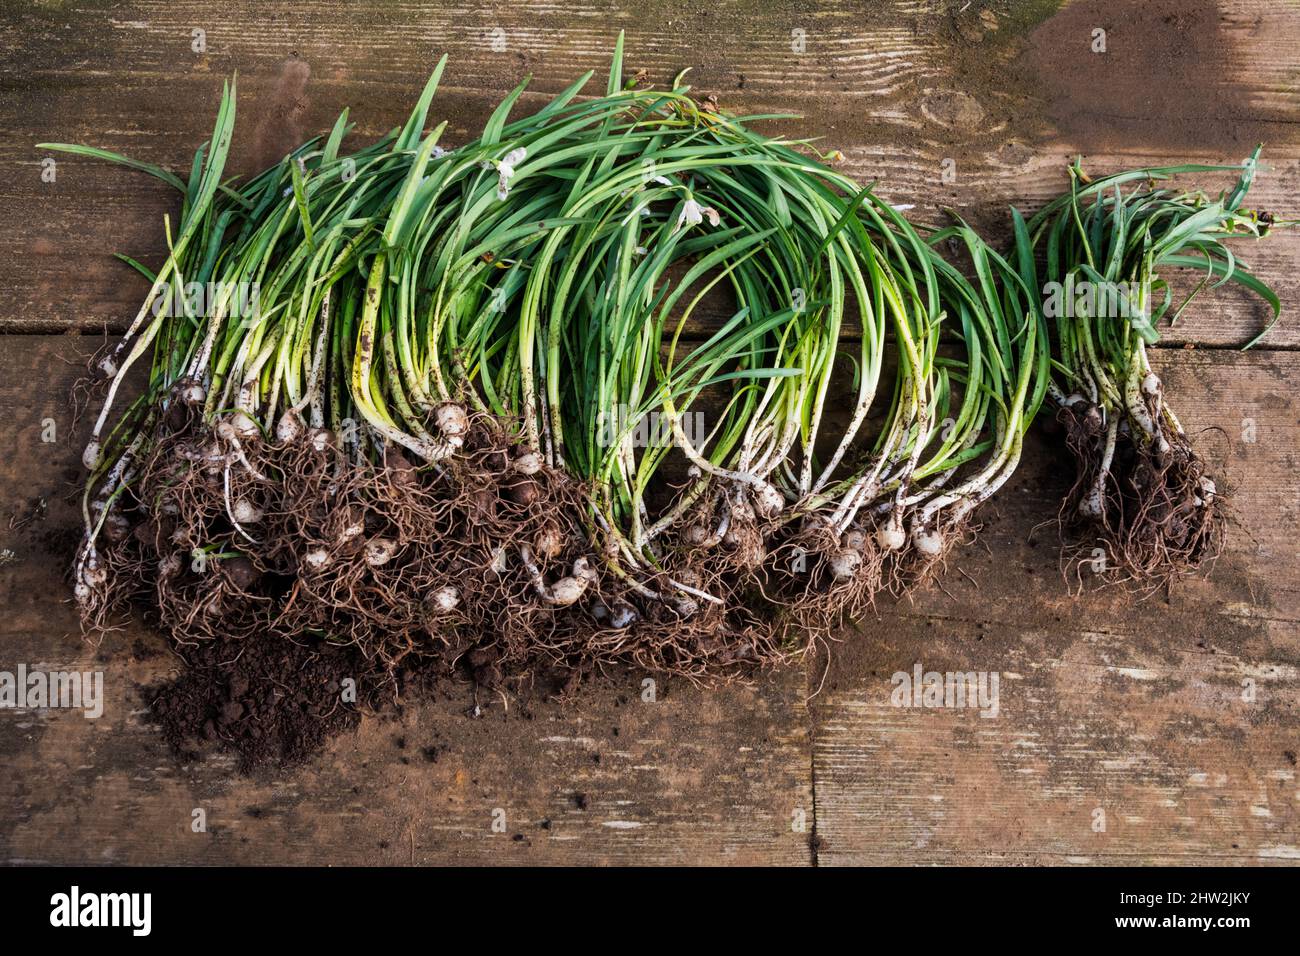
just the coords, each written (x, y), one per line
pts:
(274, 703)
(268, 701)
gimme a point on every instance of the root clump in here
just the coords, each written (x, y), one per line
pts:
(1148, 503)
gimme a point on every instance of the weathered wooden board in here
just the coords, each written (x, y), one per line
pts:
(1109, 703)
(1177, 715)
(698, 777)
(942, 101)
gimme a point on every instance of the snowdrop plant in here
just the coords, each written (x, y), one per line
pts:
(427, 438)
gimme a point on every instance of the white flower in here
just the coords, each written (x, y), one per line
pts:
(693, 214)
(439, 152)
(506, 170)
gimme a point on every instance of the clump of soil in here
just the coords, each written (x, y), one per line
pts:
(273, 703)
(261, 560)
(270, 702)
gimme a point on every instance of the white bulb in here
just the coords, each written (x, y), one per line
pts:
(244, 425)
(891, 537)
(452, 420)
(929, 543)
(845, 564)
(582, 569)
(316, 558)
(379, 551)
(245, 512)
(321, 439)
(289, 428)
(622, 616)
(529, 463)
(444, 600)
(567, 591)
(768, 502)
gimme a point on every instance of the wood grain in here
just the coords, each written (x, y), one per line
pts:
(1131, 706)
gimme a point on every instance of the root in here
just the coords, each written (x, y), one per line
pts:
(223, 537)
(1148, 504)
(821, 578)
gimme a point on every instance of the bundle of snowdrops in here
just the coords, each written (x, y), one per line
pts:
(424, 432)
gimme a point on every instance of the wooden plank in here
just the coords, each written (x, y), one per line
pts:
(699, 777)
(1137, 708)
(898, 91)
